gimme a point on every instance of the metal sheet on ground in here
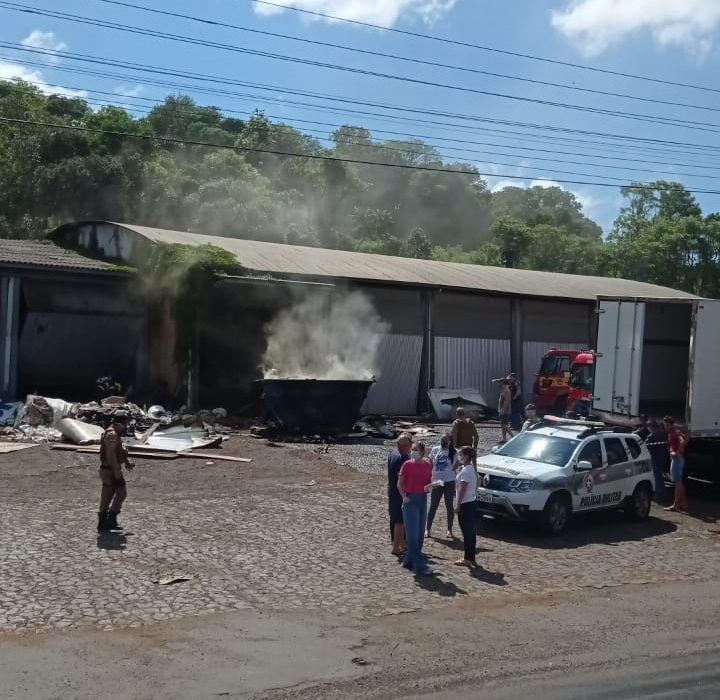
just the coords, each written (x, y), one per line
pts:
(8, 447)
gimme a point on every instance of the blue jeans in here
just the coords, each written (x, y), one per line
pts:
(677, 466)
(415, 515)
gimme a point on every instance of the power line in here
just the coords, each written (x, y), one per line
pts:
(414, 110)
(437, 154)
(375, 116)
(633, 116)
(327, 158)
(343, 47)
(491, 49)
(461, 150)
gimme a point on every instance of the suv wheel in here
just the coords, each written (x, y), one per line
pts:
(638, 507)
(556, 514)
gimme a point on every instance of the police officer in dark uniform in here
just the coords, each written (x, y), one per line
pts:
(113, 492)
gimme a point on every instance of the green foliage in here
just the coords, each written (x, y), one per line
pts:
(50, 175)
(185, 275)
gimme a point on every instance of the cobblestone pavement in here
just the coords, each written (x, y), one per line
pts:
(312, 538)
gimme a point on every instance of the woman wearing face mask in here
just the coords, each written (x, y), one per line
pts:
(442, 472)
(465, 504)
(413, 485)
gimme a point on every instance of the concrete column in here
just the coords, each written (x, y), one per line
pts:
(517, 335)
(9, 335)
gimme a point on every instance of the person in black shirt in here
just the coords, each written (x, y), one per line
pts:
(396, 459)
(642, 430)
(657, 445)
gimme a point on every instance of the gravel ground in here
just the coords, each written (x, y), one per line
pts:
(369, 455)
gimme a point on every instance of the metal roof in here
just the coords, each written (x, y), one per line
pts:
(45, 254)
(292, 260)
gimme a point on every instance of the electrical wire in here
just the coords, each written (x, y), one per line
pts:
(344, 100)
(633, 116)
(434, 146)
(343, 47)
(491, 49)
(321, 157)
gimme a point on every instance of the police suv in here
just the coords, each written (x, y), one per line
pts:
(565, 467)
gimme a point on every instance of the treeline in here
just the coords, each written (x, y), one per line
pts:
(50, 175)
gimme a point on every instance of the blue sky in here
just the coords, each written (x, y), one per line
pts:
(676, 40)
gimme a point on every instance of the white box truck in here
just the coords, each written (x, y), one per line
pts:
(661, 357)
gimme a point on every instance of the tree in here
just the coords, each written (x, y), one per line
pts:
(512, 238)
(418, 245)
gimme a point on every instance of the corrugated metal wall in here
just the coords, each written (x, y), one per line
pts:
(533, 352)
(395, 391)
(471, 362)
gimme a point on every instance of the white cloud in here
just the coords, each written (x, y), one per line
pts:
(129, 90)
(545, 183)
(383, 12)
(596, 25)
(502, 184)
(47, 42)
(14, 71)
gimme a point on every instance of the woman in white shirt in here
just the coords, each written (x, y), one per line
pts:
(465, 504)
(442, 472)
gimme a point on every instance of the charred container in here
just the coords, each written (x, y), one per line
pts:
(316, 406)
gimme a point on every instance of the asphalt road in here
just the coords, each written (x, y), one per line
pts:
(695, 677)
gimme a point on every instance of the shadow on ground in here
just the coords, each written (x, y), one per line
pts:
(609, 527)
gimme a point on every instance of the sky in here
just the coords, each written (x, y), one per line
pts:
(483, 107)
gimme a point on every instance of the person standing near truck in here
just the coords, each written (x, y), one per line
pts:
(657, 445)
(676, 444)
(531, 418)
(504, 409)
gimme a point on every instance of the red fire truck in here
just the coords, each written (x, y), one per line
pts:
(581, 385)
(552, 382)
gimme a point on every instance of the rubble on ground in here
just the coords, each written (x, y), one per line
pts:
(43, 419)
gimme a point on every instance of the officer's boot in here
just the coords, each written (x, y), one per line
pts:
(103, 524)
(112, 521)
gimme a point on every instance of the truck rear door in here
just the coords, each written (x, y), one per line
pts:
(618, 365)
(703, 409)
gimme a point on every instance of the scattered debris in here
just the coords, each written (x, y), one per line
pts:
(180, 442)
(218, 457)
(8, 412)
(41, 411)
(170, 580)
(7, 447)
(80, 433)
(446, 401)
(359, 661)
(159, 414)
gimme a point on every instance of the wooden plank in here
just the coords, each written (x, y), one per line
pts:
(212, 455)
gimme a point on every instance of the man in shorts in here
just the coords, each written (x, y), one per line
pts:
(505, 409)
(676, 444)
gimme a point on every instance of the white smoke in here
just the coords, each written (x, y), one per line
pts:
(324, 336)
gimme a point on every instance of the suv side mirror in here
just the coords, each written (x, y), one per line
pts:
(495, 449)
(584, 466)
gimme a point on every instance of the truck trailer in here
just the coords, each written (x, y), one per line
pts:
(658, 357)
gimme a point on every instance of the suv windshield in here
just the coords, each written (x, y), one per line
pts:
(540, 448)
(582, 377)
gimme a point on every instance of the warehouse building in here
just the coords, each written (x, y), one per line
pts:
(73, 310)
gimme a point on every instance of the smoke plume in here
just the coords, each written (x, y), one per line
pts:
(324, 336)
